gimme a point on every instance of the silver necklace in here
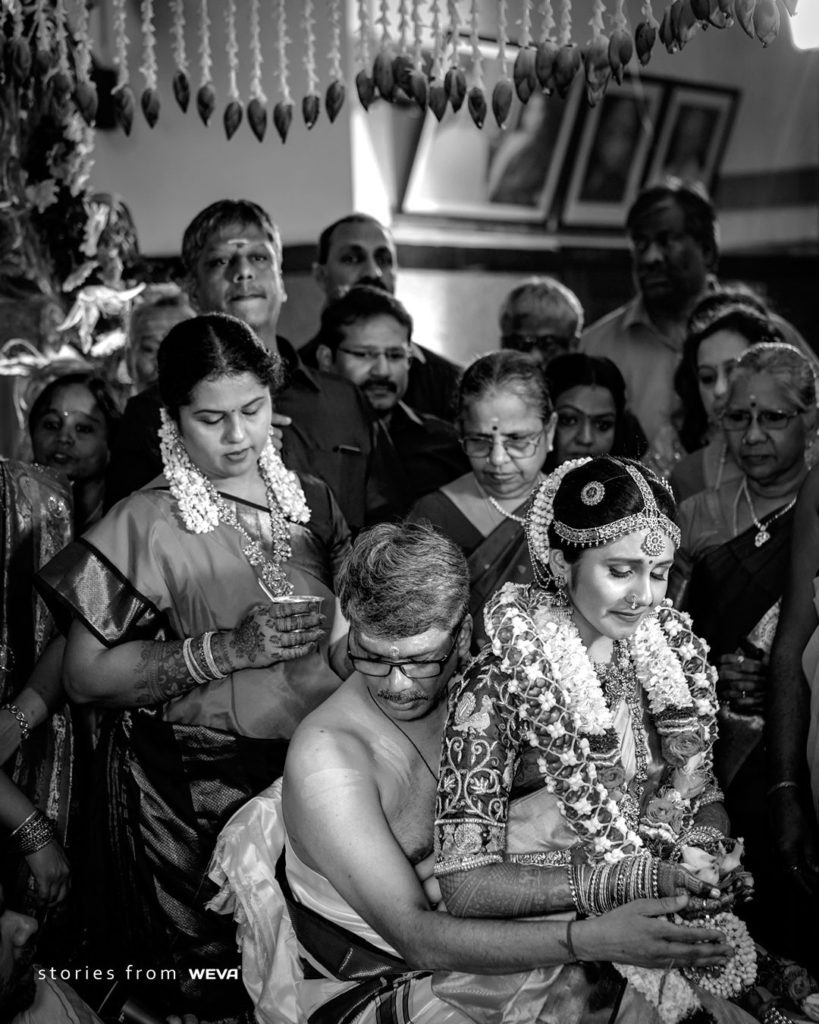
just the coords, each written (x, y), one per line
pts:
(763, 534)
(405, 735)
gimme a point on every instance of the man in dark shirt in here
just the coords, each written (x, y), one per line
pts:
(358, 249)
(366, 337)
(232, 257)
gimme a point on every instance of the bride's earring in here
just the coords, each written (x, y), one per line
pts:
(561, 598)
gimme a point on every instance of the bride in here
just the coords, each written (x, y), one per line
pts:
(576, 772)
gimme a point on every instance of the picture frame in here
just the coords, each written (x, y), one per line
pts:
(508, 174)
(614, 145)
(694, 133)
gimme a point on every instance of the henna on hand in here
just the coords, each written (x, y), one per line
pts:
(161, 673)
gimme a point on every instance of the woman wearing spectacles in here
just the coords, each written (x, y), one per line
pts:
(506, 420)
(732, 568)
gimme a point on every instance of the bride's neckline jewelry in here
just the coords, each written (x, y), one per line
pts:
(763, 533)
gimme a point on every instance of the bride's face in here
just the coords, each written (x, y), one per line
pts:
(605, 582)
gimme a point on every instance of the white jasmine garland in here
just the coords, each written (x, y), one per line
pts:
(542, 652)
(202, 508)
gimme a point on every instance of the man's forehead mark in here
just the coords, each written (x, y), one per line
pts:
(393, 651)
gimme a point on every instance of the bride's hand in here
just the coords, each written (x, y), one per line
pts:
(640, 933)
(674, 880)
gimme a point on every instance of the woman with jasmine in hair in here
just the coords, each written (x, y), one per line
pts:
(166, 603)
(576, 772)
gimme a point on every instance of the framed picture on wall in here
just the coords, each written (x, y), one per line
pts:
(612, 152)
(491, 173)
(694, 133)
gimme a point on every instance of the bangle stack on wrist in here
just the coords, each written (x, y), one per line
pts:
(606, 886)
(33, 834)
(22, 721)
(201, 665)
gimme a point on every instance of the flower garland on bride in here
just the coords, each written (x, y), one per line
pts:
(541, 651)
(202, 508)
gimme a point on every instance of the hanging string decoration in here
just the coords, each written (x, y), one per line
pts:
(417, 51)
(502, 93)
(437, 90)
(365, 86)
(419, 88)
(85, 91)
(257, 105)
(283, 110)
(455, 80)
(150, 94)
(205, 95)
(547, 49)
(311, 104)
(476, 98)
(596, 56)
(181, 81)
(524, 72)
(382, 65)
(234, 111)
(336, 91)
(122, 93)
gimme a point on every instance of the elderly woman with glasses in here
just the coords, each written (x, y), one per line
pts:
(507, 423)
(732, 566)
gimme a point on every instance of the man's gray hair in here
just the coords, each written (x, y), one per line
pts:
(402, 579)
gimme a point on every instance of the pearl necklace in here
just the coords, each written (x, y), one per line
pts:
(499, 508)
(763, 534)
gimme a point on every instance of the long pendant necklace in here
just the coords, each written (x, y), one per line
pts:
(763, 534)
(405, 735)
(618, 680)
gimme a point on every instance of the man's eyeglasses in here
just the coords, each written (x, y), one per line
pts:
(372, 355)
(537, 342)
(766, 419)
(380, 668)
(519, 447)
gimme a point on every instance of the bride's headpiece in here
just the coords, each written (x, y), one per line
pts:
(650, 519)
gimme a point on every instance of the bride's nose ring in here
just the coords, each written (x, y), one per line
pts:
(633, 602)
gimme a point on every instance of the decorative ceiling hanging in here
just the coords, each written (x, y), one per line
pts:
(423, 51)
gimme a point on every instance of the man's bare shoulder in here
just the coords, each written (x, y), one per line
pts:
(332, 735)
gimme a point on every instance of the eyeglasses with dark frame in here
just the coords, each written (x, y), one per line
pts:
(380, 668)
(520, 447)
(740, 420)
(527, 343)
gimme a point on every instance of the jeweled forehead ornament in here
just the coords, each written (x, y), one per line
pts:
(656, 524)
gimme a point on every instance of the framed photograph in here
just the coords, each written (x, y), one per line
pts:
(500, 174)
(615, 141)
(692, 139)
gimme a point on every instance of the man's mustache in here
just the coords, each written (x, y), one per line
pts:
(381, 383)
